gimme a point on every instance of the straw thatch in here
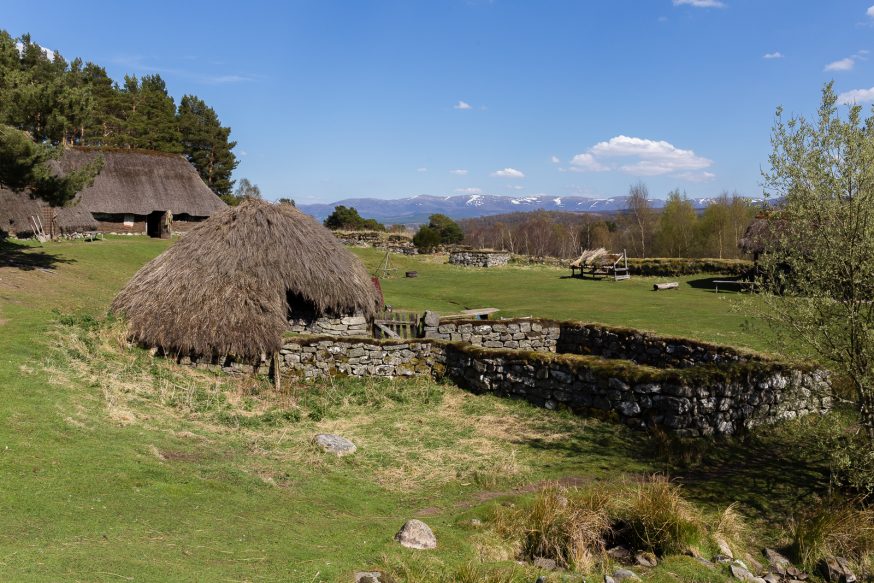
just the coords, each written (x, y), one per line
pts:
(762, 233)
(139, 182)
(229, 286)
(16, 208)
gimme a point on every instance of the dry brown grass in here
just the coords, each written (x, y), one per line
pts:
(834, 529)
(560, 524)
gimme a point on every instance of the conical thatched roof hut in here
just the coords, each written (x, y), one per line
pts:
(228, 287)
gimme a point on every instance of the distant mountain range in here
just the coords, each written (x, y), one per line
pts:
(415, 209)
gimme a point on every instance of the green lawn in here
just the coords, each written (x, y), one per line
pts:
(116, 467)
(693, 310)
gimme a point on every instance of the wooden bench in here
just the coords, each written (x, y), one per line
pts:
(741, 284)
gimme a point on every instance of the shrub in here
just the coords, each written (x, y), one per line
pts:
(656, 518)
(833, 529)
(559, 524)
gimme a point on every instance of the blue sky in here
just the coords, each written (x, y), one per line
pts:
(333, 99)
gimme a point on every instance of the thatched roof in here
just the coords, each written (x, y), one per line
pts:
(16, 208)
(224, 288)
(139, 182)
(762, 232)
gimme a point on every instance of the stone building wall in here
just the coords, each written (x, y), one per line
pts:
(479, 258)
(536, 335)
(696, 401)
(584, 338)
(344, 326)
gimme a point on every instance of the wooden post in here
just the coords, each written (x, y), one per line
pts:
(276, 373)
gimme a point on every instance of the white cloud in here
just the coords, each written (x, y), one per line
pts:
(697, 176)
(856, 96)
(586, 163)
(509, 173)
(515, 186)
(555, 160)
(841, 65)
(459, 172)
(470, 190)
(640, 157)
(870, 11)
(462, 105)
(422, 169)
(774, 55)
(700, 3)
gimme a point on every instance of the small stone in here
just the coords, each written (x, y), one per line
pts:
(623, 574)
(609, 579)
(723, 547)
(778, 562)
(415, 534)
(476, 522)
(646, 559)
(368, 577)
(836, 570)
(772, 578)
(620, 553)
(335, 444)
(544, 563)
(721, 559)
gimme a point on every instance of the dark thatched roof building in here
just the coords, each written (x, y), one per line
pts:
(136, 187)
(17, 208)
(135, 192)
(229, 287)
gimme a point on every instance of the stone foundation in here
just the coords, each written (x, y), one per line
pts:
(479, 258)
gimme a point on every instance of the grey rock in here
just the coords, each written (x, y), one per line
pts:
(415, 534)
(620, 553)
(368, 577)
(335, 444)
(609, 579)
(646, 559)
(836, 570)
(777, 561)
(623, 574)
(544, 563)
(723, 547)
(739, 572)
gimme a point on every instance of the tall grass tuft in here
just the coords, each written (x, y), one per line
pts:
(657, 518)
(833, 529)
(559, 524)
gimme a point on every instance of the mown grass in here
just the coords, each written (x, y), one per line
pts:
(692, 311)
(118, 466)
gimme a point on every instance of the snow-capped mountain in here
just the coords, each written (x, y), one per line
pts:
(417, 208)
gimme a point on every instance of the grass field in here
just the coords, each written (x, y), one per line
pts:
(118, 467)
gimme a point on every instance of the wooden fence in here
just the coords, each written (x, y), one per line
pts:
(397, 324)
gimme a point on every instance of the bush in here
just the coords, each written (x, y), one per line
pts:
(560, 524)
(665, 267)
(656, 518)
(347, 218)
(833, 529)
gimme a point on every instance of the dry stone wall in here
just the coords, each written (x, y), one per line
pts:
(344, 326)
(479, 258)
(542, 336)
(696, 401)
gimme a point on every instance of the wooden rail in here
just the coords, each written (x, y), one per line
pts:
(402, 324)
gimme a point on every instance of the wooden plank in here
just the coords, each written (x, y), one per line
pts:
(666, 285)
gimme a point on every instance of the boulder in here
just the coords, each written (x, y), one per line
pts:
(334, 444)
(368, 577)
(431, 319)
(620, 553)
(742, 573)
(776, 561)
(415, 534)
(723, 547)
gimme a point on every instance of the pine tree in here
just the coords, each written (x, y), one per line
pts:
(149, 116)
(206, 144)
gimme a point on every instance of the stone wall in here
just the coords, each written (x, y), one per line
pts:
(644, 348)
(479, 258)
(343, 326)
(536, 335)
(311, 357)
(696, 401)
(394, 242)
